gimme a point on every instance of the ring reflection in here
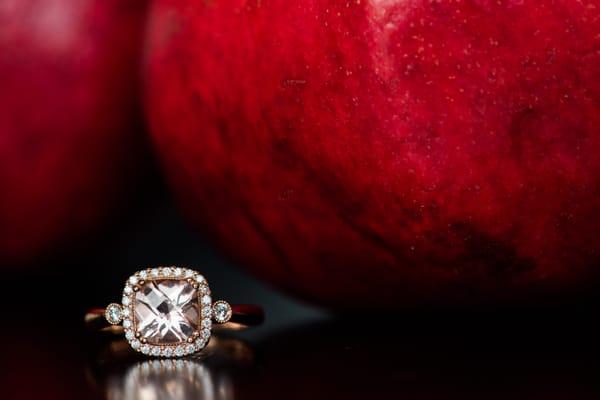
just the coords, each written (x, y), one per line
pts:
(177, 379)
(208, 376)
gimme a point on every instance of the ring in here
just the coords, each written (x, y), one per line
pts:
(169, 312)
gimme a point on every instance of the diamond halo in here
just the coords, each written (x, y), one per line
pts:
(187, 323)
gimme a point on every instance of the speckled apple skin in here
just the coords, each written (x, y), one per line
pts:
(386, 153)
(69, 120)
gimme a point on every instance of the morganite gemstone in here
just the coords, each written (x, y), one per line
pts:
(167, 311)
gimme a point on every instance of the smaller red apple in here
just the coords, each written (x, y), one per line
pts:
(69, 119)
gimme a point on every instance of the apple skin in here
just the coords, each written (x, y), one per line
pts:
(395, 153)
(70, 120)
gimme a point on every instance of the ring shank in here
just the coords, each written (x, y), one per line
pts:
(243, 316)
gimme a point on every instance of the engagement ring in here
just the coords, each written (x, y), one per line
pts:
(169, 312)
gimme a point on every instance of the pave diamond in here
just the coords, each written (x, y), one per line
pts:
(167, 311)
(179, 351)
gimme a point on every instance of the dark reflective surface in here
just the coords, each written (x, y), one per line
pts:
(300, 352)
(450, 355)
(462, 355)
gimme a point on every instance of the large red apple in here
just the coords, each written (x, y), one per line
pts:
(69, 118)
(397, 153)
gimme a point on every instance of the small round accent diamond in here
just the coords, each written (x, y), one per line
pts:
(221, 311)
(179, 351)
(168, 352)
(126, 300)
(129, 335)
(135, 344)
(127, 323)
(133, 280)
(156, 351)
(144, 274)
(206, 300)
(113, 313)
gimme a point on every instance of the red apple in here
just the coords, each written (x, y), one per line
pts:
(69, 118)
(394, 153)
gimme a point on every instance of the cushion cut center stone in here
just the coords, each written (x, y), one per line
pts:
(167, 311)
